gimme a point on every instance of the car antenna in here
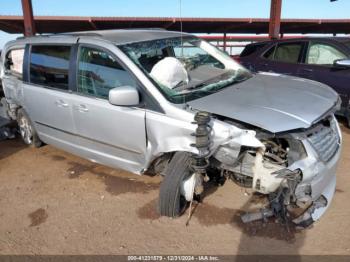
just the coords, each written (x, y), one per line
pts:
(182, 48)
(181, 37)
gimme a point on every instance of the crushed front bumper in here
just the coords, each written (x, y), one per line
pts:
(319, 179)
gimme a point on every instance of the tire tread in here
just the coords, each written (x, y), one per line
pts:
(169, 193)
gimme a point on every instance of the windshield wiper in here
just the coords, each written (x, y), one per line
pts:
(223, 76)
(187, 91)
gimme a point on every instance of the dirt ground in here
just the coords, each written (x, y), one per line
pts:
(52, 202)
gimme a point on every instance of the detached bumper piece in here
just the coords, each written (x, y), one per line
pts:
(306, 219)
(310, 214)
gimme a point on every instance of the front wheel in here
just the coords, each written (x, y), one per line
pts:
(27, 130)
(172, 201)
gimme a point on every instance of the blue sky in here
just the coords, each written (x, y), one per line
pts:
(190, 8)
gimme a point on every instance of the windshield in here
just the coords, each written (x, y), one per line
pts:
(185, 68)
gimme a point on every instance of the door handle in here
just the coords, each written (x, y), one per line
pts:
(61, 103)
(308, 70)
(82, 108)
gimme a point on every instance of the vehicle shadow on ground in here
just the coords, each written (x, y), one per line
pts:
(9, 147)
(256, 237)
(122, 183)
(268, 238)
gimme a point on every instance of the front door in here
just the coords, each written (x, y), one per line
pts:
(108, 134)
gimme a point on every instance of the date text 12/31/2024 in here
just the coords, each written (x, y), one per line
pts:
(173, 258)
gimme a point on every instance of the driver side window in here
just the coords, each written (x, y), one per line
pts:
(323, 54)
(99, 72)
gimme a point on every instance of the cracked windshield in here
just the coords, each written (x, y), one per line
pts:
(185, 68)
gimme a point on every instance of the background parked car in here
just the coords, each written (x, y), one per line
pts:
(326, 60)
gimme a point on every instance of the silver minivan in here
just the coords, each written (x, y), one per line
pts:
(169, 103)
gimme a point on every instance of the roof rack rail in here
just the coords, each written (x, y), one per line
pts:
(100, 32)
(143, 28)
(82, 33)
(39, 35)
(24, 37)
(92, 33)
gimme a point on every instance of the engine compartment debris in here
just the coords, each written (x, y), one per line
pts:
(274, 170)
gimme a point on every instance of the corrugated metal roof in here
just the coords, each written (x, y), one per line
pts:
(60, 24)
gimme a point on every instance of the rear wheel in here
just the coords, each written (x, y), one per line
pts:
(27, 130)
(172, 202)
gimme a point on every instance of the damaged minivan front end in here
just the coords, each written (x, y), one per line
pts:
(296, 170)
(170, 103)
(272, 133)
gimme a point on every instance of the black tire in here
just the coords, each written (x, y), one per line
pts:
(27, 130)
(171, 202)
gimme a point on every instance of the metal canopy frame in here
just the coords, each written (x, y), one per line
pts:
(275, 27)
(29, 24)
(275, 19)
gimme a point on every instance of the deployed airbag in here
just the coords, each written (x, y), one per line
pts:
(170, 72)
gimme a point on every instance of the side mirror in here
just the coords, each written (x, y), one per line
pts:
(342, 63)
(124, 96)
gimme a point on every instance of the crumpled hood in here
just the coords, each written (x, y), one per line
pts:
(273, 102)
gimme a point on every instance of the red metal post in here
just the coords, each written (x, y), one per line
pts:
(275, 19)
(225, 42)
(29, 25)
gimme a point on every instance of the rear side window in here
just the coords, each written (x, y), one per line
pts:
(270, 53)
(285, 52)
(49, 66)
(251, 49)
(14, 63)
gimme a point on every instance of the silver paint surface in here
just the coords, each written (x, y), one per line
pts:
(131, 137)
(275, 103)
